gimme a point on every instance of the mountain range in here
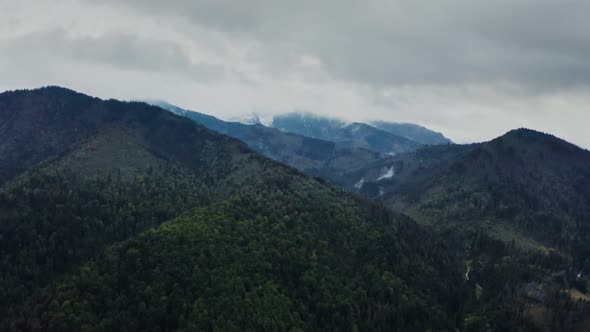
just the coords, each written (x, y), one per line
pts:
(319, 146)
(353, 134)
(313, 156)
(123, 216)
(128, 216)
(523, 182)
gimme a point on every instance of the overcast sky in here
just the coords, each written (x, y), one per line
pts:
(470, 69)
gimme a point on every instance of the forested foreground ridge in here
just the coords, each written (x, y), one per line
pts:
(144, 220)
(119, 216)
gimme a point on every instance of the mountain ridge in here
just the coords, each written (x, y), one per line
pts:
(234, 229)
(312, 156)
(526, 164)
(187, 229)
(352, 134)
(412, 131)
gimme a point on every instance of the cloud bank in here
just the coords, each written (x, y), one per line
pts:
(471, 69)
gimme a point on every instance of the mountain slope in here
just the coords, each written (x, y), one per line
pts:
(354, 134)
(313, 156)
(47, 122)
(520, 207)
(525, 179)
(27, 118)
(414, 132)
(82, 247)
(126, 168)
(255, 263)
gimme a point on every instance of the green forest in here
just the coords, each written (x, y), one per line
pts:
(146, 221)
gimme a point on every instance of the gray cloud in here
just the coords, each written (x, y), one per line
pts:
(471, 69)
(539, 44)
(122, 50)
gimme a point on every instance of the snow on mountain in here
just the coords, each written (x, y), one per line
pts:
(359, 184)
(254, 118)
(389, 173)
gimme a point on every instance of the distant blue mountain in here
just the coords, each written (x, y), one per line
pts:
(352, 134)
(412, 131)
(313, 156)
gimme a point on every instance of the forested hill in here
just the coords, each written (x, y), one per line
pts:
(525, 179)
(527, 195)
(412, 131)
(122, 216)
(48, 122)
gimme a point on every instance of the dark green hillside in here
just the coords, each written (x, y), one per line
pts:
(527, 195)
(414, 132)
(29, 121)
(55, 220)
(129, 168)
(524, 179)
(144, 220)
(267, 248)
(411, 173)
(320, 261)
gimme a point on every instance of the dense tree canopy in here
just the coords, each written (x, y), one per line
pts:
(122, 216)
